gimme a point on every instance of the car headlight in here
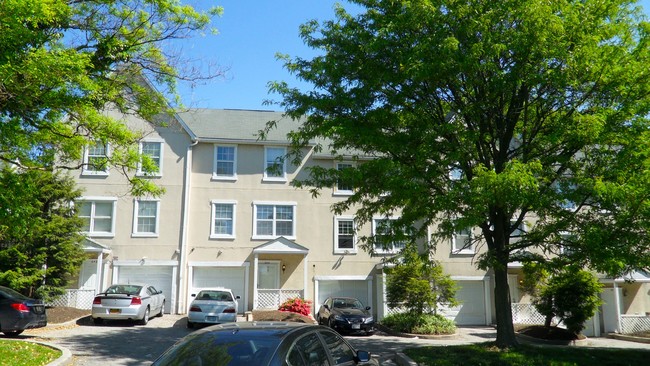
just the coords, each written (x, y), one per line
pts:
(339, 317)
(369, 320)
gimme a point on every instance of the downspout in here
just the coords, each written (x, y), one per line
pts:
(182, 291)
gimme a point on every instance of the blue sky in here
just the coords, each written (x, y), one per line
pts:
(251, 32)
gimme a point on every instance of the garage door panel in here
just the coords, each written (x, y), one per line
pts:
(349, 288)
(228, 277)
(471, 311)
(159, 277)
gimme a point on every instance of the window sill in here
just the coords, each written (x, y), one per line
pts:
(145, 175)
(345, 251)
(224, 178)
(274, 180)
(463, 252)
(94, 174)
(271, 237)
(222, 237)
(99, 235)
(342, 193)
(144, 235)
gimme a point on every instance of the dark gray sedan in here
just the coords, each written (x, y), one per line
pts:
(264, 344)
(19, 312)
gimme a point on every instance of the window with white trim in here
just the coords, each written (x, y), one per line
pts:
(223, 219)
(461, 242)
(344, 235)
(98, 215)
(274, 164)
(272, 220)
(381, 230)
(154, 151)
(225, 162)
(145, 217)
(342, 187)
(95, 159)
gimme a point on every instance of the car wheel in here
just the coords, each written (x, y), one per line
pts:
(190, 324)
(12, 333)
(98, 320)
(145, 318)
(162, 310)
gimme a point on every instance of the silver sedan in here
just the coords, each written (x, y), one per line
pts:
(128, 302)
(212, 306)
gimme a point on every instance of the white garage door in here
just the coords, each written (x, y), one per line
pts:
(160, 277)
(346, 288)
(233, 278)
(471, 311)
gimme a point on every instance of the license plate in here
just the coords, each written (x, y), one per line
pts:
(356, 326)
(115, 311)
(211, 318)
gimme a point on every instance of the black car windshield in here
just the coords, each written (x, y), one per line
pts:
(347, 304)
(231, 348)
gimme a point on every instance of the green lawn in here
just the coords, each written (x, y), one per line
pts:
(486, 354)
(19, 353)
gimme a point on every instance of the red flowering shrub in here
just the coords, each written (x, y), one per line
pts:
(297, 305)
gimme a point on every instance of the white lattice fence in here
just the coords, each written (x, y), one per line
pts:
(631, 324)
(527, 314)
(272, 298)
(80, 299)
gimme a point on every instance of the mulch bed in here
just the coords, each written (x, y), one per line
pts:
(550, 333)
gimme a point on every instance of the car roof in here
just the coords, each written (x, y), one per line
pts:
(276, 327)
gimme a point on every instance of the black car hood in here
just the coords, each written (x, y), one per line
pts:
(352, 312)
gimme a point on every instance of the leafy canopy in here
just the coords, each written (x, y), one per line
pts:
(485, 114)
(63, 62)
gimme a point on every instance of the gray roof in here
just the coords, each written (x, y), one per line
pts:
(236, 125)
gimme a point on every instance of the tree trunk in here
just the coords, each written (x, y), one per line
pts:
(505, 330)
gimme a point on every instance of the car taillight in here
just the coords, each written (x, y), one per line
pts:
(135, 300)
(20, 307)
(97, 301)
(229, 310)
(195, 308)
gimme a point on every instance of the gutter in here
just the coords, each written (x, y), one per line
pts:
(182, 291)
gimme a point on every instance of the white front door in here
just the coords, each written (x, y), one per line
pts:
(268, 275)
(88, 275)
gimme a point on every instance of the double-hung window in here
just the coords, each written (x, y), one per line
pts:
(95, 159)
(223, 219)
(344, 235)
(384, 242)
(98, 215)
(461, 242)
(274, 164)
(343, 187)
(145, 217)
(272, 220)
(153, 150)
(225, 162)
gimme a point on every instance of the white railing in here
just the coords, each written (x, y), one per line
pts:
(527, 314)
(75, 298)
(272, 298)
(631, 324)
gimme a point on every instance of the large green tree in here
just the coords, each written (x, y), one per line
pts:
(40, 240)
(63, 62)
(486, 114)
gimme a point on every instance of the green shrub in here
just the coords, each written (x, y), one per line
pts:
(419, 323)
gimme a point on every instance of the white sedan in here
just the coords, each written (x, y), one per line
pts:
(213, 306)
(128, 302)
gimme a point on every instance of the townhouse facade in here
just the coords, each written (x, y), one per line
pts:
(230, 217)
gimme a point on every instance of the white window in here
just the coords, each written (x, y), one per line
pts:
(225, 162)
(272, 220)
(145, 218)
(223, 219)
(342, 187)
(98, 215)
(274, 164)
(95, 159)
(344, 235)
(153, 150)
(381, 228)
(461, 242)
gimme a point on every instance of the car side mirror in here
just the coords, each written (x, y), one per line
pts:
(193, 295)
(237, 297)
(326, 306)
(367, 307)
(363, 356)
